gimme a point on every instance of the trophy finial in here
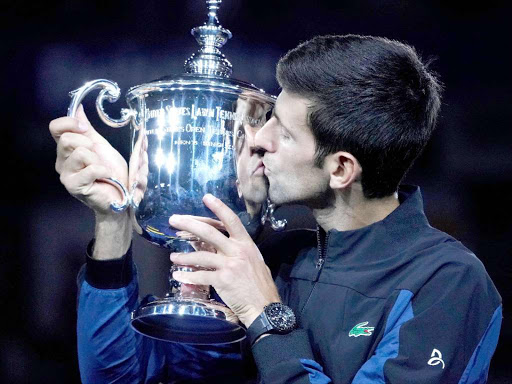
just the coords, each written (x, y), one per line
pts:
(213, 6)
(211, 37)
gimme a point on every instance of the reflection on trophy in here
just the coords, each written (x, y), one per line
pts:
(191, 135)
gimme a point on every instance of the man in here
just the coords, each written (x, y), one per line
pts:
(382, 296)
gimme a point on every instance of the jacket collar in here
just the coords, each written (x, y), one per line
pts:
(383, 238)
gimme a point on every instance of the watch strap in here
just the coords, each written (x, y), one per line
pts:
(259, 326)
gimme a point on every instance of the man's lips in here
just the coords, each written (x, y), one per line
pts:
(266, 171)
(259, 169)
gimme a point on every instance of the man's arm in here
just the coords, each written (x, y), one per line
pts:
(113, 236)
(84, 160)
(446, 333)
(288, 359)
(239, 275)
(109, 351)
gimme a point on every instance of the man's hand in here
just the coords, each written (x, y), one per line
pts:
(240, 275)
(84, 157)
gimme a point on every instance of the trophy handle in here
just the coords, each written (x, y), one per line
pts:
(111, 92)
(268, 215)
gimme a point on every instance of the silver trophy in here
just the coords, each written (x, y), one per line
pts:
(188, 139)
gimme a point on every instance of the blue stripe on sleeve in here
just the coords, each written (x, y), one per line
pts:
(478, 366)
(373, 370)
(316, 372)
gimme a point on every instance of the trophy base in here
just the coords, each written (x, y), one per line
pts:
(189, 321)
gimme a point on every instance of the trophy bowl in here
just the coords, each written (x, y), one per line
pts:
(187, 132)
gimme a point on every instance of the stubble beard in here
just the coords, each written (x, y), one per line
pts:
(322, 198)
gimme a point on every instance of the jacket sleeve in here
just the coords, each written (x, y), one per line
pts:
(446, 333)
(110, 351)
(288, 359)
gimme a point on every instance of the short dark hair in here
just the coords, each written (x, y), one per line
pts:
(371, 97)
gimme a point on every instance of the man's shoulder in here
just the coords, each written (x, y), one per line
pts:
(436, 263)
(446, 252)
(449, 268)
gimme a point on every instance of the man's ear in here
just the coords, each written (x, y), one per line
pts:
(343, 168)
(239, 189)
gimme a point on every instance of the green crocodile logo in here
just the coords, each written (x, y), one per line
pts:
(361, 330)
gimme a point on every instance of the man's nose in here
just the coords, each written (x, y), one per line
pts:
(264, 139)
(254, 150)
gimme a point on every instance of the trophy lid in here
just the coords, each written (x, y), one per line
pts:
(211, 37)
(207, 69)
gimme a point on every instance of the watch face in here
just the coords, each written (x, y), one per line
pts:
(280, 317)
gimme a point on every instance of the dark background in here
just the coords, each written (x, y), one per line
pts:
(49, 49)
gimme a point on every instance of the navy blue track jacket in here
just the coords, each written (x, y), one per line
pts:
(394, 302)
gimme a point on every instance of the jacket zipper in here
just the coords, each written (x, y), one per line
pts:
(322, 249)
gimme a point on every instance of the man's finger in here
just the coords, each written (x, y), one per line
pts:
(90, 131)
(203, 231)
(231, 221)
(66, 124)
(202, 246)
(79, 159)
(68, 143)
(198, 277)
(208, 220)
(81, 182)
(201, 259)
(81, 116)
(90, 174)
(79, 124)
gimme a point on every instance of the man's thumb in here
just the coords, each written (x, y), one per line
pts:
(81, 116)
(85, 124)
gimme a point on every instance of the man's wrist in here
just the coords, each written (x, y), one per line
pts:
(275, 318)
(113, 235)
(251, 316)
(257, 310)
(111, 273)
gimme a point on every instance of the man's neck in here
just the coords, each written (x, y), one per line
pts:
(253, 209)
(351, 210)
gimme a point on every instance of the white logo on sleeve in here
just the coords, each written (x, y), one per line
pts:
(437, 358)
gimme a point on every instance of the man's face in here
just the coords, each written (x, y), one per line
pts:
(251, 181)
(289, 147)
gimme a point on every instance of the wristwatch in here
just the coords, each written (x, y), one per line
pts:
(275, 318)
